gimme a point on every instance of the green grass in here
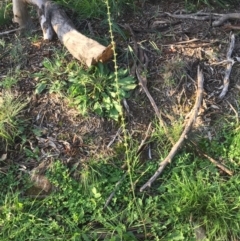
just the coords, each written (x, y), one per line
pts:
(190, 192)
(10, 123)
(95, 8)
(5, 12)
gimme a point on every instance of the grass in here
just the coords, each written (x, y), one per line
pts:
(94, 8)
(4, 12)
(10, 123)
(191, 193)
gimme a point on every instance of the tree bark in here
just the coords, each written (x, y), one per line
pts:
(54, 19)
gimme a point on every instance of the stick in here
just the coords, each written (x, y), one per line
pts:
(225, 17)
(195, 16)
(219, 165)
(187, 128)
(115, 189)
(114, 138)
(219, 18)
(183, 42)
(11, 31)
(143, 142)
(142, 83)
(229, 67)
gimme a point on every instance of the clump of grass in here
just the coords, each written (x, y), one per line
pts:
(4, 12)
(200, 195)
(94, 8)
(10, 109)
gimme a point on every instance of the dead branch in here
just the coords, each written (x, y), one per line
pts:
(219, 19)
(114, 138)
(53, 19)
(11, 31)
(216, 163)
(196, 16)
(229, 67)
(224, 18)
(143, 142)
(113, 192)
(231, 27)
(142, 82)
(140, 66)
(187, 128)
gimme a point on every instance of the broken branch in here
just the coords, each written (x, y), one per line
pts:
(216, 163)
(187, 128)
(229, 67)
(219, 18)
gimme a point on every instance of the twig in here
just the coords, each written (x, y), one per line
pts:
(219, 165)
(229, 67)
(11, 31)
(196, 16)
(225, 17)
(113, 192)
(236, 113)
(187, 128)
(143, 142)
(231, 27)
(183, 42)
(142, 83)
(115, 136)
(219, 18)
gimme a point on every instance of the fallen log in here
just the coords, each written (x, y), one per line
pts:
(53, 19)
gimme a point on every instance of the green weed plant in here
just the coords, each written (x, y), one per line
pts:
(96, 90)
(89, 90)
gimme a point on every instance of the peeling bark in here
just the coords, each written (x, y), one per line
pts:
(53, 19)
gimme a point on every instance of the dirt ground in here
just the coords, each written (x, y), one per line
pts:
(175, 48)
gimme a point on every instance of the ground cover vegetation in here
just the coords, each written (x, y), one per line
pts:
(71, 162)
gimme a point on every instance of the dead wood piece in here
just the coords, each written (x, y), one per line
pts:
(54, 19)
(231, 27)
(183, 42)
(196, 16)
(143, 142)
(11, 31)
(224, 18)
(114, 138)
(228, 68)
(216, 163)
(140, 65)
(187, 128)
(219, 19)
(115, 189)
